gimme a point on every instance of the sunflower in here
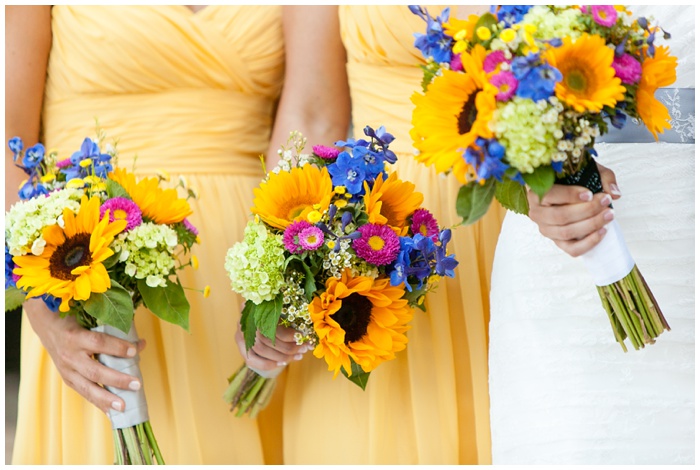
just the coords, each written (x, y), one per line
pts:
(658, 71)
(361, 319)
(454, 111)
(589, 80)
(71, 265)
(289, 196)
(162, 206)
(391, 202)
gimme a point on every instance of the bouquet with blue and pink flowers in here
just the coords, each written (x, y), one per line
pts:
(92, 241)
(517, 97)
(340, 250)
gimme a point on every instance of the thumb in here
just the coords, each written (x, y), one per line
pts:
(607, 178)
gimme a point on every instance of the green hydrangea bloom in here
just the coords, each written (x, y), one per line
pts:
(554, 25)
(527, 130)
(148, 251)
(255, 265)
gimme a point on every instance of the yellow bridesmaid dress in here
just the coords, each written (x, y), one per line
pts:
(192, 94)
(431, 404)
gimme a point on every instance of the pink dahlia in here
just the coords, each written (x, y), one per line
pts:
(604, 15)
(506, 83)
(327, 153)
(311, 238)
(121, 208)
(493, 60)
(378, 245)
(191, 228)
(291, 236)
(425, 224)
(627, 69)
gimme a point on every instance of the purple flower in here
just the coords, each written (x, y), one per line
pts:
(435, 43)
(424, 223)
(486, 159)
(121, 208)
(64, 163)
(191, 228)
(378, 245)
(506, 84)
(627, 69)
(604, 15)
(311, 238)
(326, 153)
(493, 60)
(291, 236)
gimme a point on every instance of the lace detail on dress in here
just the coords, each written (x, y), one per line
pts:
(682, 116)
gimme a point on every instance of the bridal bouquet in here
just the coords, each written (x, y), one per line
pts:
(92, 241)
(341, 251)
(518, 96)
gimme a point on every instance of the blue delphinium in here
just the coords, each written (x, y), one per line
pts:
(487, 159)
(100, 161)
(349, 172)
(536, 80)
(51, 302)
(33, 156)
(445, 265)
(511, 14)
(9, 266)
(434, 43)
(364, 161)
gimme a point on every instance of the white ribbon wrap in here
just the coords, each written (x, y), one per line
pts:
(610, 260)
(268, 374)
(136, 409)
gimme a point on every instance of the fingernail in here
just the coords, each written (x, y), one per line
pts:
(298, 357)
(131, 352)
(116, 406)
(606, 200)
(602, 231)
(609, 215)
(281, 364)
(615, 190)
(134, 385)
(586, 196)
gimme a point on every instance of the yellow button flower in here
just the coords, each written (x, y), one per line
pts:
(313, 217)
(483, 33)
(507, 35)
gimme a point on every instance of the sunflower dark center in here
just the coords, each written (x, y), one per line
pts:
(467, 116)
(74, 252)
(354, 317)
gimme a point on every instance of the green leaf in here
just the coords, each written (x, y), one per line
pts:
(513, 196)
(541, 180)
(248, 324)
(115, 189)
(474, 199)
(113, 307)
(167, 303)
(267, 316)
(487, 20)
(14, 298)
(111, 261)
(359, 377)
(429, 72)
(309, 283)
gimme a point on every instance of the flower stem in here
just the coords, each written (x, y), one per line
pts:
(153, 443)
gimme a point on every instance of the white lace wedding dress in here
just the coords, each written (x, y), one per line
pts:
(562, 390)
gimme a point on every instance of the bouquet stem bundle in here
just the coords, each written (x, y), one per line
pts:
(136, 445)
(248, 391)
(632, 309)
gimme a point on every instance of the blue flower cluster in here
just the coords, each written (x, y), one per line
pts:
(30, 163)
(536, 80)
(486, 157)
(363, 161)
(435, 43)
(417, 257)
(101, 162)
(510, 14)
(9, 266)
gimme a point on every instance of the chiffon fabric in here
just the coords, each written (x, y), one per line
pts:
(562, 389)
(192, 94)
(429, 405)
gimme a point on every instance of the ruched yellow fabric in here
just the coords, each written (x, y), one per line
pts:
(430, 405)
(192, 94)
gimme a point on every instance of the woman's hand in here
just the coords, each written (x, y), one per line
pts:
(572, 216)
(72, 347)
(266, 356)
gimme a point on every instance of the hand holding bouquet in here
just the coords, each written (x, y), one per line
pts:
(94, 242)
(518, 96)
(341, 251)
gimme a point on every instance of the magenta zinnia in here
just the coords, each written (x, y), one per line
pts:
(493, 60)
(378, 245)
(327, 153)
(191, 228)
(604, 15)
(425, 224)
(506, 83)
(627, 68)
(291, 236)
(121, 208)
(311, 238)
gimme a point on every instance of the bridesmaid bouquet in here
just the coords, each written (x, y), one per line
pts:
(339, 250)
(518, 96)
(92, 241)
